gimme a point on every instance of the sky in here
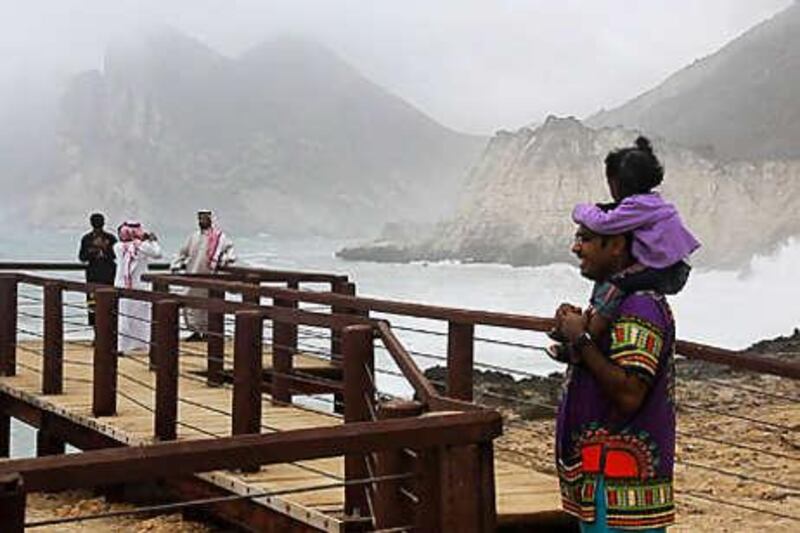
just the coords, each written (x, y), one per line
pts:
(475, 66)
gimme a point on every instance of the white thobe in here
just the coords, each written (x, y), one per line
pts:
(133, 326)
(193, 258)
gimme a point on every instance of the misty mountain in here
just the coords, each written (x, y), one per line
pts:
(27, 140)
(516, 206)
(741, 102)
(286, 138)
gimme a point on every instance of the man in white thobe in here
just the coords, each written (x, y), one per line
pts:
(204, 252)
(134, 251)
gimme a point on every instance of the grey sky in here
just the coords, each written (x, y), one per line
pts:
(473, 65)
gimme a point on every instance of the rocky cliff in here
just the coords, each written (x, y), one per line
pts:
(517, 202)
(286, 139)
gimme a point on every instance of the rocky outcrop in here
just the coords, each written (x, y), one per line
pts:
(537, 397)
(530, 398)
(517, 202)
(287, 138)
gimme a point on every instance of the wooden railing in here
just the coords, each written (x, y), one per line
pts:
(466, 437)
(461, 324)
(59, 266)
(354, 332)
(439, 469)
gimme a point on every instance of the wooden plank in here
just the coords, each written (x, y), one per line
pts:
(62, 266)
(285, 275)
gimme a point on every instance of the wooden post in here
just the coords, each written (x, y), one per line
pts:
(344, 288)
(47, 442)
(167, 360)
(284, 346)
(252, 296)
(467, 488)
(247, 369)
(427, 516)
(486, 488)
(359, 361)
(8, 325)
(215, 347)
(104, 388)
(5, 435)
(12, 504)
(159, 286)
(392, 504)
(348, 289)
(247, 372)
(53, 364)
(460, 348)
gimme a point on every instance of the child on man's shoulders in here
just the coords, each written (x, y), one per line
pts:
(661, 244)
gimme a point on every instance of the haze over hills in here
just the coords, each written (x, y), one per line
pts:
(741, 102)
(286, 138)
(727, 128)
(519, 197)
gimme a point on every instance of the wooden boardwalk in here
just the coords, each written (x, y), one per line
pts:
(205, 412)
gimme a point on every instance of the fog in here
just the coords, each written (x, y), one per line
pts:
(475, 66)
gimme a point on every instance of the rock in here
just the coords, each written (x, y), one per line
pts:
(529, 399)
(516, 206)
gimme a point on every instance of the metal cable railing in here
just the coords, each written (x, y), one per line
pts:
(178, 506)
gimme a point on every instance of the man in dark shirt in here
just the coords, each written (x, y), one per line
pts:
(98, 253)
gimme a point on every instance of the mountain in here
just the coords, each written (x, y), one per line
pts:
(287, 138)
(740, 102)
(27, 141)
(517, 203)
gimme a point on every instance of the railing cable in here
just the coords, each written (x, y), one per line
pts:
(169, 507)
(739, 505)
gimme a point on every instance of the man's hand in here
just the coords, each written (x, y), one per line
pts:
(565, 308)
(572, 325)
(568, 327)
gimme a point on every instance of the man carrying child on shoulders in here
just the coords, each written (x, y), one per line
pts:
(615, 432)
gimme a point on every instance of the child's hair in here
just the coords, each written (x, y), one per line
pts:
(636, 168)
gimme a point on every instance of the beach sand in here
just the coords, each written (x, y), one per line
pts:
(78, 503)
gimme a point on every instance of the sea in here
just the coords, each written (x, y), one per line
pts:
(730, 309)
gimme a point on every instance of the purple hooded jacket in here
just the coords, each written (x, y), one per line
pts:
(659, 237)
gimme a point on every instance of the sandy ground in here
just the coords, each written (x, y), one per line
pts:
(78, 503)
(746, 395)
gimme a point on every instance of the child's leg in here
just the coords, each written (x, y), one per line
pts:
(669, 280)
(606, 299)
